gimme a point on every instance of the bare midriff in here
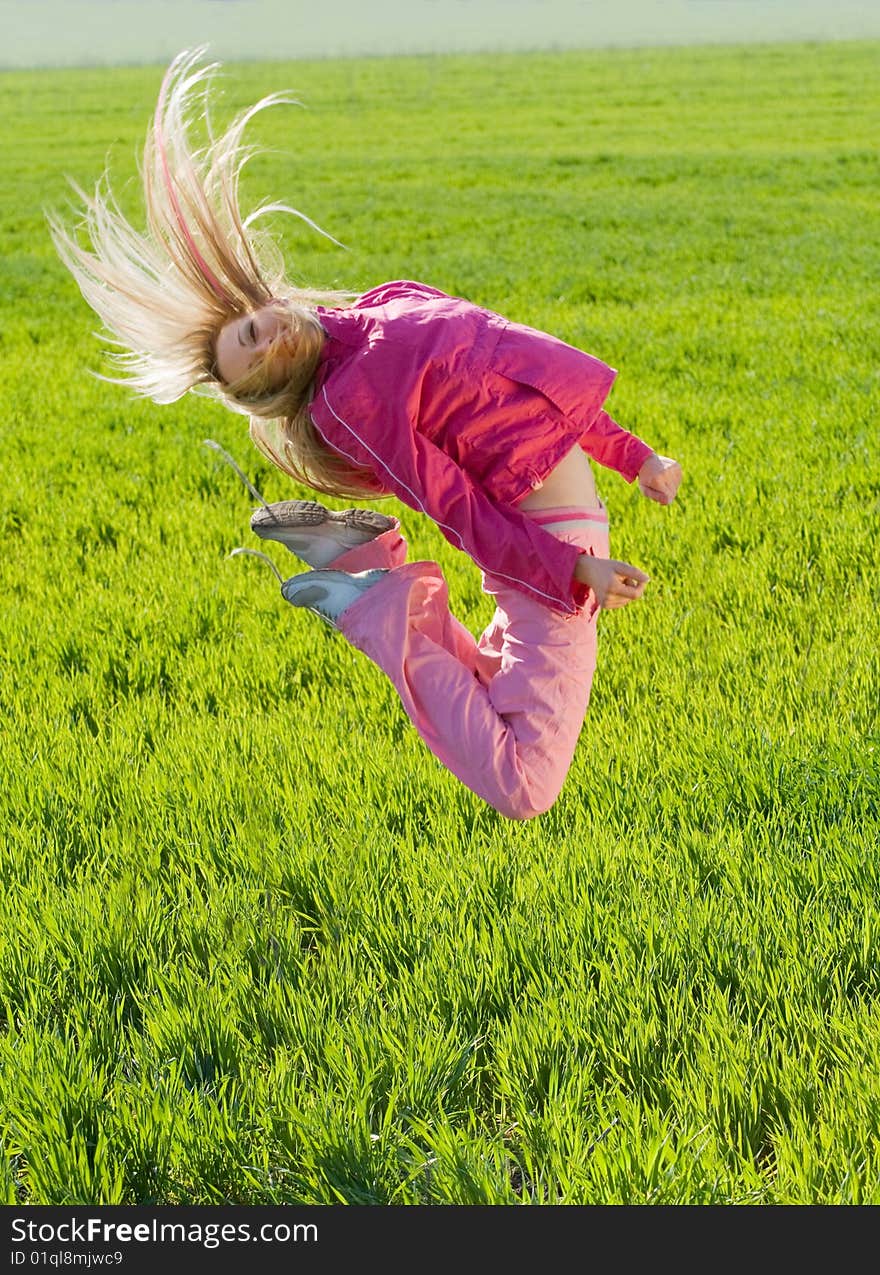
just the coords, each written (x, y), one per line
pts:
(570, 484)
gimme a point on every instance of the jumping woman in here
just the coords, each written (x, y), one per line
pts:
(484, 425)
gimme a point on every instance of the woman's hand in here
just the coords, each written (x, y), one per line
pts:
(613, 584)
(659, 479)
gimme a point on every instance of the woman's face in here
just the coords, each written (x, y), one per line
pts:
(242, 344)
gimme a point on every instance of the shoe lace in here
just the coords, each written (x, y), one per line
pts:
(323, 616)
(256, 553)
(209, 442)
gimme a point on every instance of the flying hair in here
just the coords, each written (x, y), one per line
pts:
(162, 151)
(163, 294)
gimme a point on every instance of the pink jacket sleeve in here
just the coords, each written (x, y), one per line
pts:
(499, 539)
(614, 447)
(578, 383)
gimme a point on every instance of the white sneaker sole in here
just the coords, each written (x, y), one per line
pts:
(315, 535)
(330, 593)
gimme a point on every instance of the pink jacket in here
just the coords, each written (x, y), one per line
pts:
(460, 413)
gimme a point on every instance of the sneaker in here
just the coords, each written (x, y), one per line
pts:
(317, 536)
(329, 593)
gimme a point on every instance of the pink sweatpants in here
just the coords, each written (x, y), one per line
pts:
(504, 712)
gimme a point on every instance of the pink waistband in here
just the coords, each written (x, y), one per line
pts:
(566, 513)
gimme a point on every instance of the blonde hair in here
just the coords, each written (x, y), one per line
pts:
(164, 295)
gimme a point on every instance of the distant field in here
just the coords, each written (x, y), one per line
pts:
(256, 945)
(108, 33)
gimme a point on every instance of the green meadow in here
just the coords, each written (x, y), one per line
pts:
(256, 945)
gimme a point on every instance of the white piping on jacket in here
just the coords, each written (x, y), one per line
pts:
(552, 597)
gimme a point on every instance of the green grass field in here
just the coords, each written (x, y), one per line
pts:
(256, 945)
